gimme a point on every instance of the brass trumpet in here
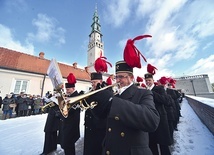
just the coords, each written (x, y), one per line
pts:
(72, 101)
(66, 103)
(48, 105)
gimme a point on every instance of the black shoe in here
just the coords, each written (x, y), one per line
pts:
(176, 129)
(43, 153)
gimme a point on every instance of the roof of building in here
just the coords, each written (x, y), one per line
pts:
(18, 61)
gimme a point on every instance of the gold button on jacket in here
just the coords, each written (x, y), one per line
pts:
(122, 134)
(116, 118)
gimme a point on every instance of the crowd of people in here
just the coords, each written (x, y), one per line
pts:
(21, 104)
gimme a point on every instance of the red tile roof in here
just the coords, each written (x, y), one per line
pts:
(14, 60)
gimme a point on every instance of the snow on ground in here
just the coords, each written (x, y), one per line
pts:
(25, 136)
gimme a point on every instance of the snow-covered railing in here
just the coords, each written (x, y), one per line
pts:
(204, 108)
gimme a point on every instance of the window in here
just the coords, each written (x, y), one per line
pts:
(20, 86)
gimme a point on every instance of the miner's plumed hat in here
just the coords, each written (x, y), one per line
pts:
(122, 66)
(148, 75)
(71, 80)
(163, 80)
(96, 76)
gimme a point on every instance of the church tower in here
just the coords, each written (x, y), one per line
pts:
(95, 46)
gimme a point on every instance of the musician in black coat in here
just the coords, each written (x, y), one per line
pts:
(131, 114)
(51, 129)
(170, 107)
(70, 131)
(162, 135)
(95, 128)
(175, 96)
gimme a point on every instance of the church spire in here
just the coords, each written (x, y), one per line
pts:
(96, 25)
(95, 45)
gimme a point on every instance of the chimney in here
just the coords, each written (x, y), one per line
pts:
(41, 55)
(87, 69)
(75, 65)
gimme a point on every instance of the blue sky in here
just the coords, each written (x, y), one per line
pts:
(182, 42)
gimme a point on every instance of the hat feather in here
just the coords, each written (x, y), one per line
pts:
(131, 54)
(151, 69)
(100, 64)
(71, 78)
(139, 79)
(163, 80)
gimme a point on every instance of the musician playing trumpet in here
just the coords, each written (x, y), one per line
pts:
(70, 131)
(60, 129)
(94, 127)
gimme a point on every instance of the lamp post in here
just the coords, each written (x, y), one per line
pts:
(193, 87)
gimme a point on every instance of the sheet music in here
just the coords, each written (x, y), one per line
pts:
(55, 74)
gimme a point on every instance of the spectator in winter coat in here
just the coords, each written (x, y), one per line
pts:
(22, 101)
(7, 108)
(37, 104)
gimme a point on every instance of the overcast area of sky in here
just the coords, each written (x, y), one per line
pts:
(182, 31)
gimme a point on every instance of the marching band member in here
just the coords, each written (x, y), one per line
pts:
(69, 131)
(51, 129)
(95, 127)
(161, 136)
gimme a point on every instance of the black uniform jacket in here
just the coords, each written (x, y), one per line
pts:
(132, 116)
(53, 119)
(162, 134)
(70, 131)
(95, 129)
(175, 95)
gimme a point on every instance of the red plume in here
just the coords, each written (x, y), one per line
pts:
(131, 54)
(151, 69)
(172, 81)
(71, 79)
(139, 79)
(109, 81)
(143, 85)
(100, 64)
(163, 80)
(156, 83)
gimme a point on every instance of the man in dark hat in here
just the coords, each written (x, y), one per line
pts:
(69, 131)
(131, 114)
(162, 135)
(95, 127)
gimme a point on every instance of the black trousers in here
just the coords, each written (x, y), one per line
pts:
(164, 149)
(70, 150)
